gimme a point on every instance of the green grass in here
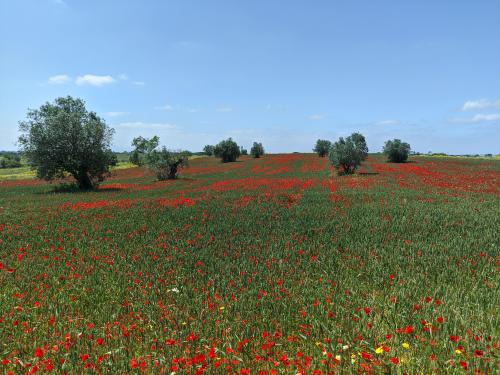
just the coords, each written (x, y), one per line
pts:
(264, 264)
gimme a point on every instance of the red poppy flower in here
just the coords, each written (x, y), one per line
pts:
(366, 355)
(454, 338)
(133, 363)
(408, 329)
(394, 360)
(38, 353)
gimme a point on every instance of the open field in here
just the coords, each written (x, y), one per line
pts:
(262, 266)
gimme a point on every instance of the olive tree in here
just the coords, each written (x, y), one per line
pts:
(209, 150)
(164, 163)
(322, 147)
(63, 138)
(227, 150)
(347, 154)
(397, 151)
(257, 150)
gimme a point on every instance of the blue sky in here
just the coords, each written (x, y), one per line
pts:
(283, 73)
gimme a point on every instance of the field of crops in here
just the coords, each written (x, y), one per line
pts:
(262, 266)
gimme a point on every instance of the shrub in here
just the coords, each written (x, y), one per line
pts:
(322, 147)
(257, 150)
(64, 138)
(227, 150)
(209, 150)
(10, 160)
(347, 154)
(164, 163)
(397, 151)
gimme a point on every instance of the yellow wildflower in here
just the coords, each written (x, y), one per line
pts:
(379, 350)
(406, 345)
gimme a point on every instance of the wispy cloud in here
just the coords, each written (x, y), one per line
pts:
(116, 114)
(59, 79)
(476, 118)
(471, 105)
(316, 117)
(224, 109)
(123, 77)
(94, 80)
(389, 122)
(166, 107)
(138, 83)
(146, 125)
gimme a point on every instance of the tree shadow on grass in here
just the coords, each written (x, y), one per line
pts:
(65, 188)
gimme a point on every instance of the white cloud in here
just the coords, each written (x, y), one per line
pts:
(59, 79)
(316, 117)
(94, 80)
(389, 122)
(224, 109)
(477, 118)
(166, 107)
(138, 83)
(116, 114)
(146, 125)
(471, 105)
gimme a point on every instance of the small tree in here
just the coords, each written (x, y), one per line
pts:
(209, 150)
(397, 151)
(164, 163)
(63, 138)
(227, 150)
(347, 154)
(257, 150)
(243, 151)
(322, 147)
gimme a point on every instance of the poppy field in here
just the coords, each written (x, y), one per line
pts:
(262, 266)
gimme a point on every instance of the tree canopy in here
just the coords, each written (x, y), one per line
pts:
(62, 138)
(257, 150)
(347, 154)
(228, 150)
(397, 151)
(164, 163)
(322, 147)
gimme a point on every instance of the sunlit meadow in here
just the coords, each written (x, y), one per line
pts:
(262, 266)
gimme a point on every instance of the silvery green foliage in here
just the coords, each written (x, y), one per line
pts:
(257, 150)
(347, 154)
(63, 138)
(322, 147)
(397, 151)
(164, 163)
(227, 150)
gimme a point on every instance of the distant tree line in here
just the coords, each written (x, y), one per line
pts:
(63, 139)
